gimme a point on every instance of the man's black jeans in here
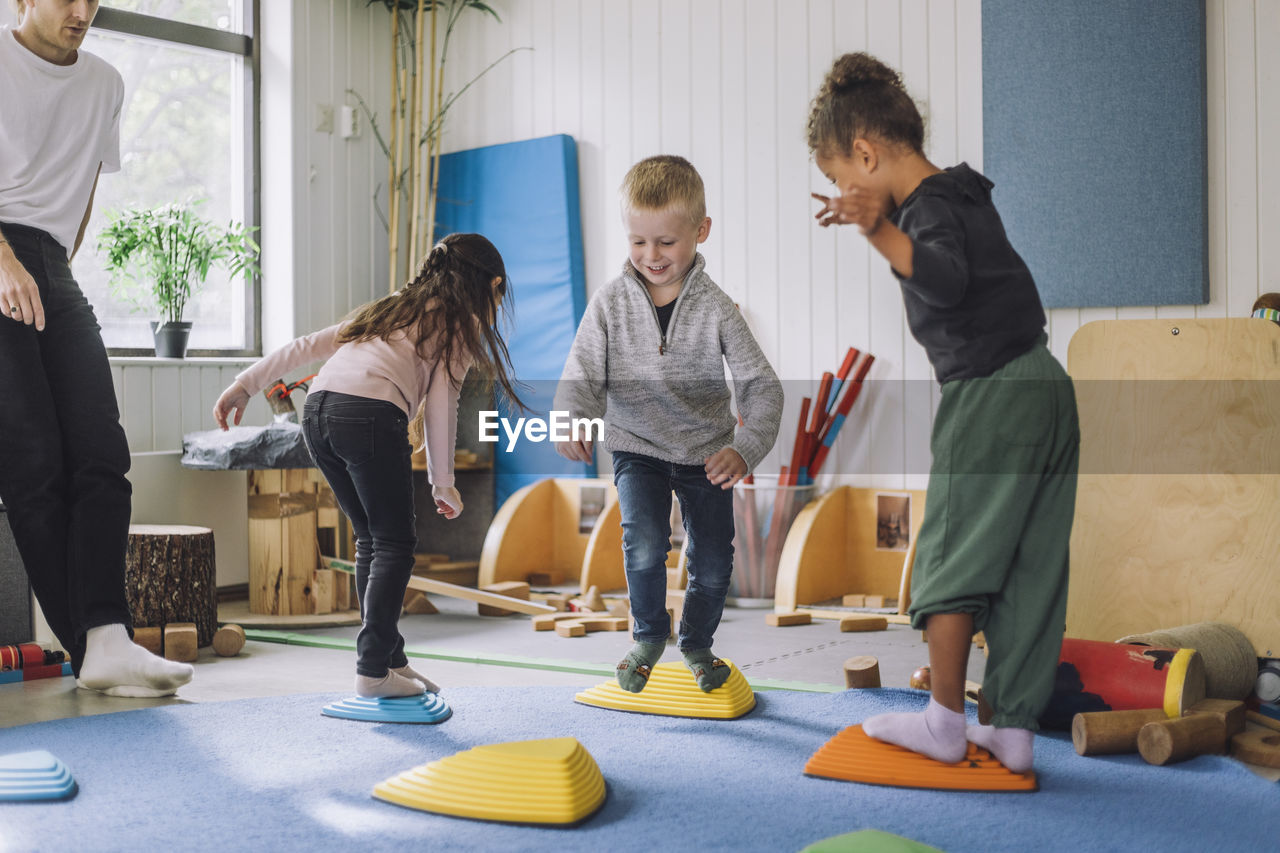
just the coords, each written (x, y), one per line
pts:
(63, 453)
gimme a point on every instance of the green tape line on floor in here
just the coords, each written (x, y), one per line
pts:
(605, 670)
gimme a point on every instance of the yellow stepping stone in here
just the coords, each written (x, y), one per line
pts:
(552, 781)
(673, 692)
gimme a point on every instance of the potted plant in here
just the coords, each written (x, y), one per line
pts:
(159, 258)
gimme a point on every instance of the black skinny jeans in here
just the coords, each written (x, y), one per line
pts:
(362, 448)
(63, 453)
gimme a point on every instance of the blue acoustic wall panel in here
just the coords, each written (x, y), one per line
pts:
(523, 196)
(1094, 134)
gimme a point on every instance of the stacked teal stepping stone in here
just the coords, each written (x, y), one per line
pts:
(35, 775)
(423, 708)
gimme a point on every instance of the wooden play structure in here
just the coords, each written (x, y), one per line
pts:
(1176, 514)
(836, 547)
(542, 531)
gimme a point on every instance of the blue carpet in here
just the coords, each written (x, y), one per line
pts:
(274, 774)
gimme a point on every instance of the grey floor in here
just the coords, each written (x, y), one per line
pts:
(804, 656)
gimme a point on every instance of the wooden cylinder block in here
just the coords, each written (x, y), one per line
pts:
(228, 641)
(151, 639)
(169, 577)
(861, 671)
(1169, 741)
(1111, 732)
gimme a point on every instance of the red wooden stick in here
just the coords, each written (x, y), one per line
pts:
(797, 449)
(845, 366)
(846, 403)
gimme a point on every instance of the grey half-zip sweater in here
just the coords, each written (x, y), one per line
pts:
(666, 396)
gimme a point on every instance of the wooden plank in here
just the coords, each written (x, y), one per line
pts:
(1174, 524)
(839, 615)
(453, 591)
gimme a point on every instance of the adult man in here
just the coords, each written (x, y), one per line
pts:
(63, 453)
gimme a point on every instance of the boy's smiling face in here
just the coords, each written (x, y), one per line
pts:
(663, 243)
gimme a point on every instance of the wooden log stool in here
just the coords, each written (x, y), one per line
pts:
(169, 577)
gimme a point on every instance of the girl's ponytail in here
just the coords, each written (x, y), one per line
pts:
(863, 97)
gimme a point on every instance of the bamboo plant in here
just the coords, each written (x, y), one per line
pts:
(159, 257)
(420, 35)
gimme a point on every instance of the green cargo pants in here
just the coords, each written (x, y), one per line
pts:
(997, 524)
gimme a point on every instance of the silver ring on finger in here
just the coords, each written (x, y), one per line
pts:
(14, 309)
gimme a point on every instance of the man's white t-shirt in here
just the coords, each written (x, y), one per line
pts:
(57, 124)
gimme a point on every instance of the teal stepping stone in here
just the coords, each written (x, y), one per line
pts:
(424, 708)
(35, 775)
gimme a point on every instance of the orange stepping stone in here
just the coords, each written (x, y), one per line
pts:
(853, 756)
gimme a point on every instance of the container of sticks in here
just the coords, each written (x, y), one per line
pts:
(762, 517)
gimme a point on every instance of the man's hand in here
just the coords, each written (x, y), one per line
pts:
(578, 451)
(19, 296)
(726, 468)
(448, 501)
(234, 399)
(854, 206)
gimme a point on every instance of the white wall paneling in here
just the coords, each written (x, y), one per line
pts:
(726, 83)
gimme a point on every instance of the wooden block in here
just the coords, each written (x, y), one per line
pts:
(593, 600)
(559, 601)
(620, 607)
(511, 589)
(863, 622)
(861, 671)
(1231, 713)
(1111, 732)
(228, 641)
(1263, 720)
(417, 604)
(1169, 741)
(854, 600)
(151, 639)
(779, 620)
(545, 578)
(875, 601)
(180, 642)
(980, 640)
(1257, 747)
(547, 621)
(571, 628)
(602, 623)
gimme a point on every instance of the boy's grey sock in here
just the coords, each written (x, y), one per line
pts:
(708, 670)
(634, 669)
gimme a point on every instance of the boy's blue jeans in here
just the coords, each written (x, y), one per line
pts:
(362, 448)
(644, 498)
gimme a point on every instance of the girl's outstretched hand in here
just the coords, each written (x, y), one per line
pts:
(448, 501)
(234, 399)
(726, 468)
(854, 206)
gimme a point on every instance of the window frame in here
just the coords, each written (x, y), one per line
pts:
(246, 45)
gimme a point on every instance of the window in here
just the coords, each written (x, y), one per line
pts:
(187, 132)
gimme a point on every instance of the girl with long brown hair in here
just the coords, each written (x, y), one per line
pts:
(404, 354)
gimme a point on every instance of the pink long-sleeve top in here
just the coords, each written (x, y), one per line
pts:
(388, 370)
